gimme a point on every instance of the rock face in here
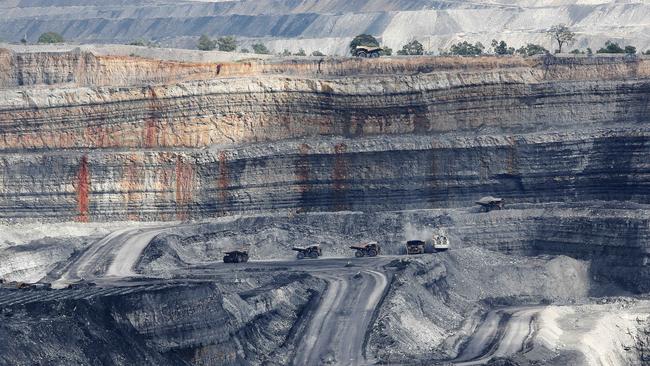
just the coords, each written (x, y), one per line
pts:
(162, 324)
(315, 135)
(614, 237)
(327, 25)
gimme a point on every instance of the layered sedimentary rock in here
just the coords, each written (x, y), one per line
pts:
(615, 237)
(331, 175)
(164, 324)
(315, 135)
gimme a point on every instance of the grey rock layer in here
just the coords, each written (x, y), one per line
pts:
(361, 136)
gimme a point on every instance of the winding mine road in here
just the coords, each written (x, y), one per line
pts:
(337, 331)
(115, 255)
(504, 332)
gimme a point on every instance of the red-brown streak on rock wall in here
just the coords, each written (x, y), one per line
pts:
(303, 168)
(83, 190)
(165, 175)
(185, 185)
(152, 123)
(133, 185)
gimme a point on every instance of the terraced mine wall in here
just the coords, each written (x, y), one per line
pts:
(264, 136)
(331, 175)
(614, 237)
(225, 324)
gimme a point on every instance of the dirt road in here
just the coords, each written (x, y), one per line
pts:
(337, 331)
(115, 255)
(504, 332)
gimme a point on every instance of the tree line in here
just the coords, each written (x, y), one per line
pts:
(560, 34)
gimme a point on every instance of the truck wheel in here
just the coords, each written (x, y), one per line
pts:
(362, 54)
(372, 253)
(313, 254)
(300, 255)
(359, 253)
(226, 259)
(374, 54)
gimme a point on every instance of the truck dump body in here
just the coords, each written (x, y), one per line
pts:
(371, 249)
(313, 252)
(415, 247)
(368, 51)
(490, 203)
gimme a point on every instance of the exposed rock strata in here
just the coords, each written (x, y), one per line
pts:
(610, 235)
(334, 175)
(407, 133)
(167, 324)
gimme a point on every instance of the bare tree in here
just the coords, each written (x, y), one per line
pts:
(562, 35)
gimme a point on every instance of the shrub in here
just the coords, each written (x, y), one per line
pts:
(611, 47)
(137, 42)
(206, 44)
(630, 50)
(300, 52)
(577, 52)
(531, 50)
(467, 49)
(260, 49)
(387, 51)
(501, 48)
(50, 37)
(227, 44)
(141, 42)
(317, 53)
(244, 50)
(412, 48)
(285, 53)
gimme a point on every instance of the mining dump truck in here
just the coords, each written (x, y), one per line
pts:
(368, 51)
(415, 247)
(490, 203)
(370, 249)
(312, 251)
(440, 242)
(236, 256)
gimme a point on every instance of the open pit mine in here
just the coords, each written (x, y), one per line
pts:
(127, 182)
